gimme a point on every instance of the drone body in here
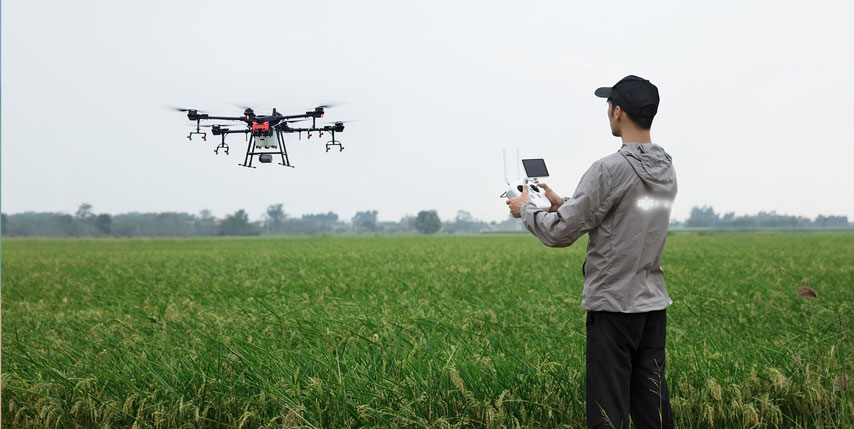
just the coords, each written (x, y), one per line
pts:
(264, 133)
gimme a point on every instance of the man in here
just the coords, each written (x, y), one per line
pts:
(623, 203)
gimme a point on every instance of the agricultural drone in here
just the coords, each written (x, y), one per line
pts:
(264, 133)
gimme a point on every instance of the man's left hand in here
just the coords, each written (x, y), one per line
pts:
(515, 204)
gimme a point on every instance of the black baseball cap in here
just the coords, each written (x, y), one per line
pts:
(635, 95)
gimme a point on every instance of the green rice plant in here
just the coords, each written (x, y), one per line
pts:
(407, 332)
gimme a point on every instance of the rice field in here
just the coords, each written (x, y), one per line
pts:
(460, 331)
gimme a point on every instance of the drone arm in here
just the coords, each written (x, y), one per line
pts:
(226, 131)
(323, 128)
(224, 118)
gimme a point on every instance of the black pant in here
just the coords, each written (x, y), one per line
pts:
(625, 370)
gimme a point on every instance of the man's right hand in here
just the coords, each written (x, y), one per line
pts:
(553, 197)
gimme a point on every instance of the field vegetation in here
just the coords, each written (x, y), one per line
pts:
(407, 331)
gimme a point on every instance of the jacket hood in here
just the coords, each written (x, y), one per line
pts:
(652, 164)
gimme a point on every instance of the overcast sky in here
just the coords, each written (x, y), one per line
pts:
(755, 98)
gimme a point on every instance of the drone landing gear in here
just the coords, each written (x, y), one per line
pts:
(251, 152)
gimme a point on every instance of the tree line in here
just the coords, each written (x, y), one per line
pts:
(86, 223)
(705, 217)
(275, 221)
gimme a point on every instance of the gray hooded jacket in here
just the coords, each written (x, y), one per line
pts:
(623, 202)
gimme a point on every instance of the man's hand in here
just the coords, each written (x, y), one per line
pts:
(553, 197)
(516, 203)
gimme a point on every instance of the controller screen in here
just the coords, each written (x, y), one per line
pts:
(535, 167)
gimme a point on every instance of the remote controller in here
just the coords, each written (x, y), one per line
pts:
(534, 168)
(537, 195)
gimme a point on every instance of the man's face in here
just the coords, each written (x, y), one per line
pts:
(613, 112)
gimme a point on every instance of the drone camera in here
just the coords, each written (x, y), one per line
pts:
(265, 158)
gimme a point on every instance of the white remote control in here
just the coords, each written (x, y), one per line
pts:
(534, 168)
(538, 197)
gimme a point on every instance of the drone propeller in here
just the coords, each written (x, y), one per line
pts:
(264, 108)
(289, 121)
(255, 109)
(180, 109)
(331, 105)
(342, 122)
(284, 123)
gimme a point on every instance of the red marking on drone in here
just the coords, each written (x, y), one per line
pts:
(263, 126)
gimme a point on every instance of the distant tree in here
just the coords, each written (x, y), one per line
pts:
(366, 220)
(831, 221)
(173, 224)
(238, 224)
(804, 222)
(839, 221)
(325, 218)
(205, 223)
(84, 212)
(774, 220)
(464, 217)
(427, 222)
(4, 225)
(511, 224)
(464, 222)
(275, 216)
(702, 217)
(104, 223)
(744, 222)
(68, 226)
(167, 224)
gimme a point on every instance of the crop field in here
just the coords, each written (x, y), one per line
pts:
(457, 331)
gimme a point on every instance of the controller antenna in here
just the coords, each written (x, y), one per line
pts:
(504, 157)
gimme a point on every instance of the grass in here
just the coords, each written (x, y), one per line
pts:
(407, 331)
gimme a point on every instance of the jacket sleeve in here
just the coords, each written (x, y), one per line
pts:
(577, 215)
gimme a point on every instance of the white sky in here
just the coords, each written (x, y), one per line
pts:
(755, 98)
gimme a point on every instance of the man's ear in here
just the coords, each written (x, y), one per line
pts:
(618, 112)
